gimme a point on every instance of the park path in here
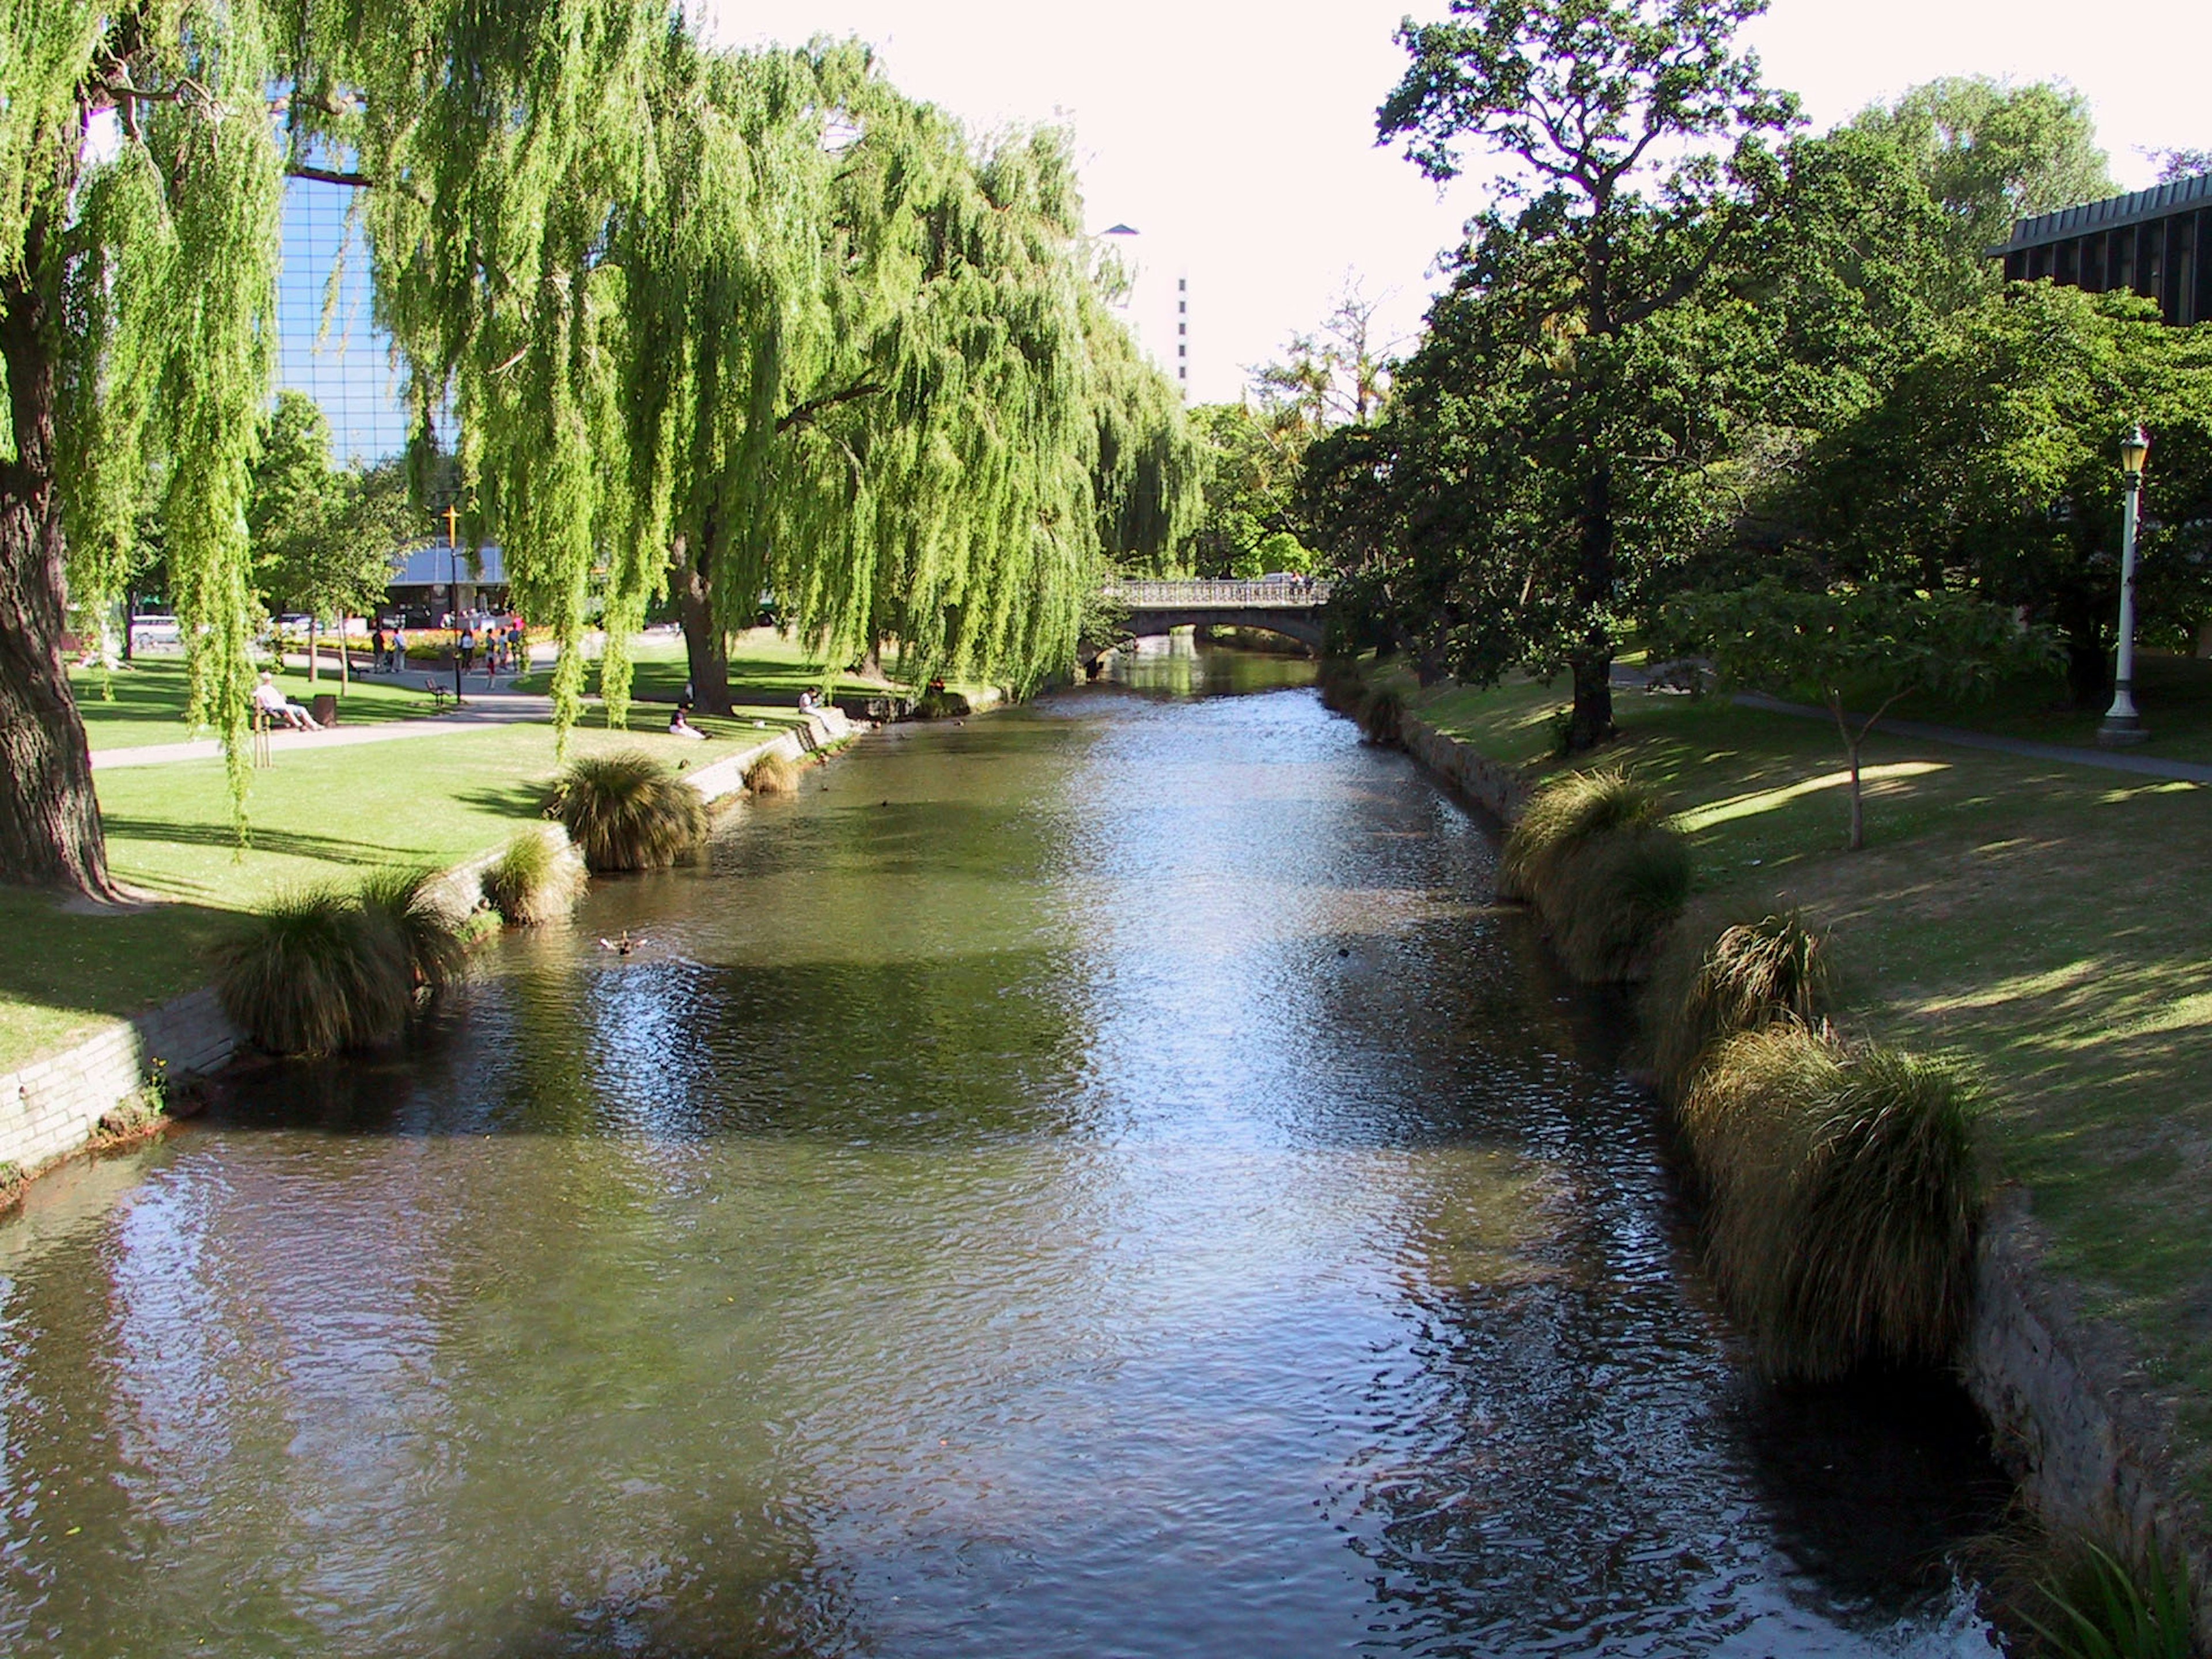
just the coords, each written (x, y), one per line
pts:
(2111, 760)
(481, 710)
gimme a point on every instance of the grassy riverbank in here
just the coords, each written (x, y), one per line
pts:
(2044, 919)
(316, 814)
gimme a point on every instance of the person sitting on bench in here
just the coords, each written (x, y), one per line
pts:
(268, 697)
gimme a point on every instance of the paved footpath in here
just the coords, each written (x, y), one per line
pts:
(2111, 760)
(478, 710)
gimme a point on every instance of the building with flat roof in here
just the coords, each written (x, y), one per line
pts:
(2155, 242)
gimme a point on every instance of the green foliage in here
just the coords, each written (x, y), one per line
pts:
(2027, 513)
(538, 878)
(1754, 975)
(406, 901)
(772, 774)
(1842, 1198)
(1991, 153)
(1594, 853)
(2102, 1610)
(1814, 643)
(324, 540)
(314, 971)
(628, 811)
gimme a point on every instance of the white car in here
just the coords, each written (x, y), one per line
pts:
(154, 630)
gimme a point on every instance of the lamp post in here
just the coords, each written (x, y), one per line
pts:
(2122, 724)
(453, 588)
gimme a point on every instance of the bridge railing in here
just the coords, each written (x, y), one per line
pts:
(1301, 595)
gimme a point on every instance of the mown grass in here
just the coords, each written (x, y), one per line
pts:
(316, 816)
(2045, 921)
(147, 706)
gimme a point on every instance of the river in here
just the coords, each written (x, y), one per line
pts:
(1098, 1179)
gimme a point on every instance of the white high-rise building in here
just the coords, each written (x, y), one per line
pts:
(1156, 306)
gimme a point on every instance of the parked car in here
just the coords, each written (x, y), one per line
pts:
(155, 628)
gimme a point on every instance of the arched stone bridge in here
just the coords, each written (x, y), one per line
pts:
(1291, 608)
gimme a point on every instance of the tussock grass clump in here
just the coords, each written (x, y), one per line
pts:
(1843, 1198)
(1613, 900)
(1595, 854)
(1564, 814)
(628, 811)
(2098, 1608)
(1341, 685)
(1754, 975)
(1382, 718)
(538, 879)
(316, 970)
(427, 929)
(772, 774)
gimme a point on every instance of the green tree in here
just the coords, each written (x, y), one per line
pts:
(1634, 134)
(1992, 464)
(1992, 153)
(1887, 642)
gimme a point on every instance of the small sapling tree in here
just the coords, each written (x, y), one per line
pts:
(1882, 642)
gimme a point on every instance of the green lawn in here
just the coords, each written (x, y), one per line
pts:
(315, 814)
(2046, 921)
(147, 704)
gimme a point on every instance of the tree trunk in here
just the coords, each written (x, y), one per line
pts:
(1858, 810)
(704, 647)
(1592, 657)
(2088, 673)
(50, 831)
(314, 652)
(345, 658)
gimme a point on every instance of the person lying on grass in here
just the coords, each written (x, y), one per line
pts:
(268, 697)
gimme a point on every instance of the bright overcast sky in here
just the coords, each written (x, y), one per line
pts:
(1239, 135)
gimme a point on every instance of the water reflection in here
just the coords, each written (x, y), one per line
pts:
(1102, 1179)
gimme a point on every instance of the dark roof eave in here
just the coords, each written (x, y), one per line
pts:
(2113, 213)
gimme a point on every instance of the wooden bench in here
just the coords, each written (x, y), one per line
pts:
(441, 696)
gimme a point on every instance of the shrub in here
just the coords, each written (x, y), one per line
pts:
(628, 811)
(1382, 718)
(1594, 853)
(1754, 975)
(1842, 1198)
(538, 878)
(1613, 899)
(1339, 683)
(428, 931)
(773, 774)
(313, 971)
(1564, 814)
(2099, 1609)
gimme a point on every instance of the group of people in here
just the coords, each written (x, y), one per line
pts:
(501, 645)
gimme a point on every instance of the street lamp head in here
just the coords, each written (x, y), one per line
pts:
(2134, 449)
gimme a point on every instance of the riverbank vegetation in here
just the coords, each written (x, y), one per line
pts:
(313, 971)
(539, 878)
(2032, 918)
(628, 811)
(712, 324)
(1594, 853)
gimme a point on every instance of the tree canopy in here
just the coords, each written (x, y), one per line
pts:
(752, 319)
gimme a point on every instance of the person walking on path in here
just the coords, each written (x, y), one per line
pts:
(399, 646)
(468, 643)
(377, 661)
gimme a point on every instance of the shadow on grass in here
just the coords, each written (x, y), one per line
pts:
(294, 843)
(65, 968)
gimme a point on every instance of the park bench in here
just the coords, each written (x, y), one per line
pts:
(442, 694)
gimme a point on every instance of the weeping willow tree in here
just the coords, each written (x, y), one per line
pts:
(139, 181)
(871, 375)
(753, 319)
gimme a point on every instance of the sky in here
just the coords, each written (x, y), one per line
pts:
(1237, 137)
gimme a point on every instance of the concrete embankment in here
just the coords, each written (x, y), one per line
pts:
(52, 1107)
(2072, 1413)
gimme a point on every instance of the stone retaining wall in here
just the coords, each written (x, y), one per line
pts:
(2071, 1415)
(49, 1108)
(727, 775)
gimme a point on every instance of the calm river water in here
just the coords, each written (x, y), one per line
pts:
(1096, 1180)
